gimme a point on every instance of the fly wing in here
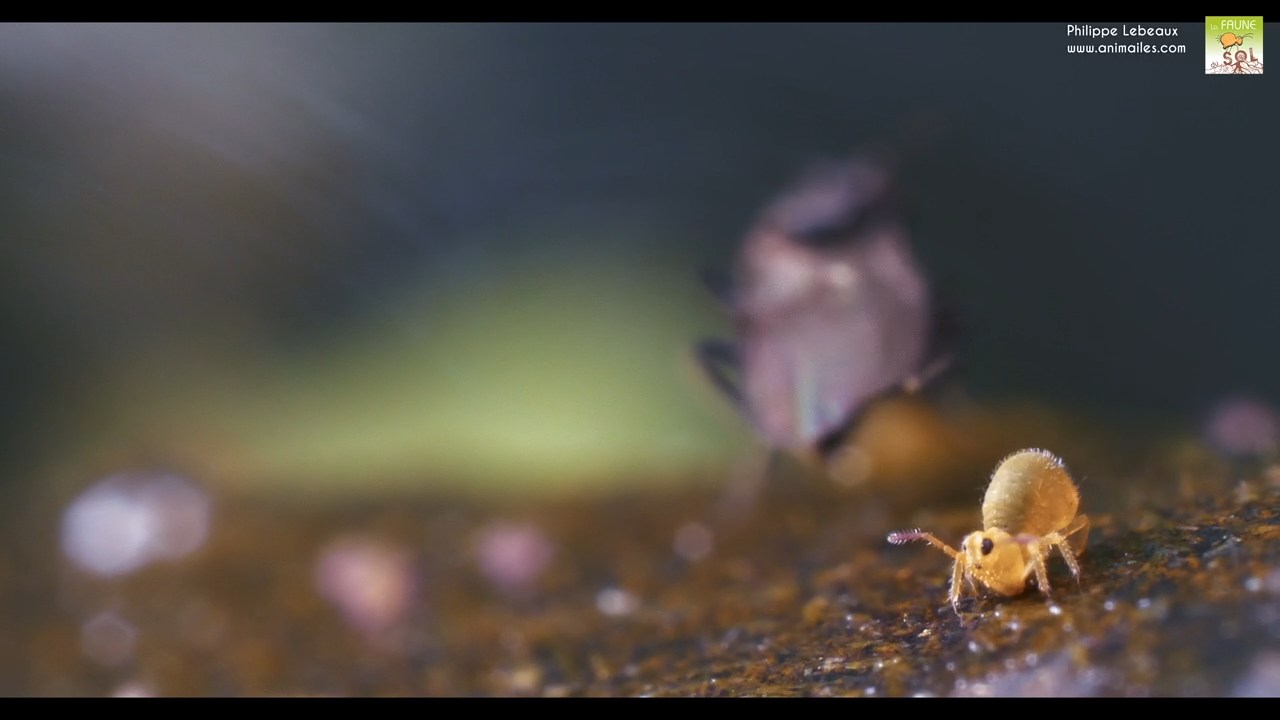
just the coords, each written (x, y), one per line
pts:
(807, 368)
(833, 309)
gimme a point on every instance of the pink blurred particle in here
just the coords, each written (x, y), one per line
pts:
(372, 583)
(512, 556)
(693, 541)
(1244, 426)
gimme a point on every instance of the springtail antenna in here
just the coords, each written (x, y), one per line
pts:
(900, 537)
(905, 536)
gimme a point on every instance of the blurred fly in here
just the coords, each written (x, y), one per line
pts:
(830, 310)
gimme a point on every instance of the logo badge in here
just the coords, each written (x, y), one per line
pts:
(1233, 45)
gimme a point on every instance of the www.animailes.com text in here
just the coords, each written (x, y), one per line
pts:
(1131, 48)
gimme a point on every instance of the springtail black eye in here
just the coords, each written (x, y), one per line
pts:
(987, 545)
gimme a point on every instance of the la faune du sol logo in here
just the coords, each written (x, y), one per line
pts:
(1233, 45)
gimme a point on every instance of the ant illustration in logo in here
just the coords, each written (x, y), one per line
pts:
(1230, 40)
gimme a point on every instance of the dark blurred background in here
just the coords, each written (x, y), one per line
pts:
(468, 253)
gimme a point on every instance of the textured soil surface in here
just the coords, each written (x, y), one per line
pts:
(661, 594)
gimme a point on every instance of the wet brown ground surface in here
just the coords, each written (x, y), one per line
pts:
(799, 595)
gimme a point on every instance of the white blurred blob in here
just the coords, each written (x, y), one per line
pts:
(512, 556)
(615, 602)
(1262, 679)
(1057, 677)
(127, 521)
(371, 582)
(1243, 426)
(693, 541)
(133, 689)
(107, 639)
